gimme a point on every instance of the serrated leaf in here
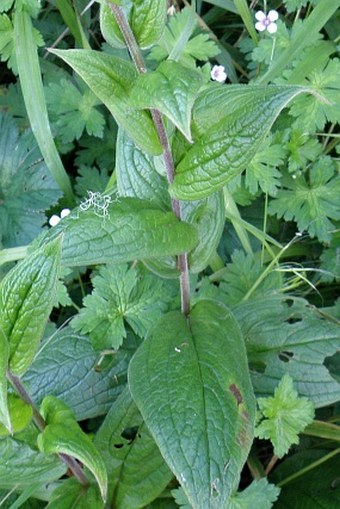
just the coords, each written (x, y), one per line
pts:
(67, 360)
(133, 229)
(73, 110)
(20, 414)
(26, 186)
(6, 5)
(71, 493)
(63, 434)
(172, 89)
(193, 390)
(137, 175)
(284, 416)
(111, 79)
(227, 142)
(285, 335)
(27, 296)
(136, 469)
(22, 465)
(122, 295)
(312, 200)
(259, 493)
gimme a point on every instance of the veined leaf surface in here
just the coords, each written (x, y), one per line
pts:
(136, 469)
(26, 299)
(226, 144)
(110, 78)
(191, 384)
(132, 230)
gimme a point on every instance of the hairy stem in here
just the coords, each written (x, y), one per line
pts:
(70, 462)
(137, 57)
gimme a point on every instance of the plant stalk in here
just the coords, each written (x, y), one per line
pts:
(69, 461)
(137, 57)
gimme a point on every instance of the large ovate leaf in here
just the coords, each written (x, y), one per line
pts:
(71, 494)
(285, 335)
(27, 295)
(111, 79)
(172, 89)
(226, 142)
(63, 434)
(137, 175)
(67, 361)
(190, 381)
(136, 469)
(131, 229)
(21, 465)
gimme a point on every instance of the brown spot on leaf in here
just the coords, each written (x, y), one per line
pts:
(236, 392)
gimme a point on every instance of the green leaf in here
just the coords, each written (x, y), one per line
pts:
(317, 487)
(63, 434)
(6, 5)
(32, 7)
(284, 334)
(312, 111)
(145, 17)
(312, 200)
(193, 390)
(73, 110)
(6, 40)
(27, 188)
(30, 79)
(27, 295)
(20, 415)
(208, 217)
(258, 494)
(132, 229)
(178, 44)
(136, 469)
(245, 274)
(172, 89)
(283, 416)
(111, 79)
(71, 493)
(4, 356)
(122, 294)
(228, 141)
(137, 175)
(67, 360)
(21, 465)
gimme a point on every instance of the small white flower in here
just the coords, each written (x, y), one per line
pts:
(266, 21)
(218, 73)
(171, 11)
(54, 220)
